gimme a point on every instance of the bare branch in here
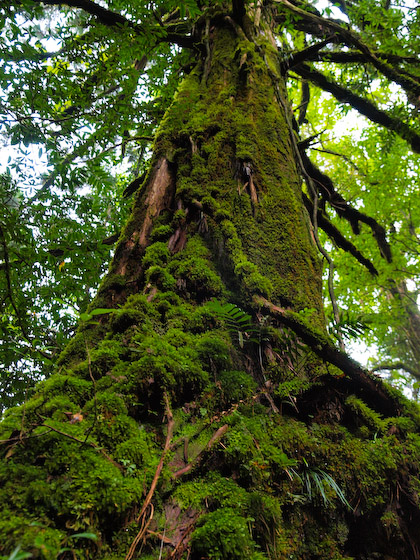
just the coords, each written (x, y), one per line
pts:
(351, 39)
(397, 365)
(344, 57)
(114, 19)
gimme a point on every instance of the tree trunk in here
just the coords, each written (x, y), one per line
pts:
(189, 423)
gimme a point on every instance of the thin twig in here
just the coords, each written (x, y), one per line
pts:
(96, 447)
(220, 432)
(29, 436)
(147, 501)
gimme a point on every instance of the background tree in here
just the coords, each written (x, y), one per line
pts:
(201, 410)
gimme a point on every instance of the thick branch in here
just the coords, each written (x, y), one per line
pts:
(351, 39)
(344, 57)
(103, 15)
(308, 53)
(338, 238)
(304, 102)
(238, 10)
(362, 105)
(324, 348)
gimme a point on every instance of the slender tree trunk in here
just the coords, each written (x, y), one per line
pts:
(180, 427)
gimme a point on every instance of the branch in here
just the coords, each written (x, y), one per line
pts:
(114, 19)
(346, 159)
(363, 106)
(339, 239)
(397, 365)
(147, 501)
(344, 210)
(309, 53)
(49, 181)
(219, 433)
(9, 292)
(238, 10)
(321, 345)
(96, 447)
(351, 39)
(304, 102)
(345, 57)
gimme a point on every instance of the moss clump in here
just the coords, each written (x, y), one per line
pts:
(137, 311)
(194, 271)
(160, 277)
(156, 254)
(161, 233)
(366, 416)
(235, 386)
(224, 535)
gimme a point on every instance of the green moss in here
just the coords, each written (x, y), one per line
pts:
(235, 386)
(194, 268)
(224, 535)
(156, 254)
(60, 385)
(170, 360)
(160, 277)
(161, 233)
(366, 415)
(34, 536)
(215, 350)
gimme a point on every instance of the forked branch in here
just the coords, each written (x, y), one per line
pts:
(325, 186)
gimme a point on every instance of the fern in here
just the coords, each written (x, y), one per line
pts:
(235, 319)
(351, 325)
(320, 480)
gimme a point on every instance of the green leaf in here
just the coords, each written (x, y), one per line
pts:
(91, 536)
(18, 555)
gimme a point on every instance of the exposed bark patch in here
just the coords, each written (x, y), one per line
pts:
(178, 528)
(158, 198)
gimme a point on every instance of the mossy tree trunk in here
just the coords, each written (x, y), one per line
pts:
(180, 426)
